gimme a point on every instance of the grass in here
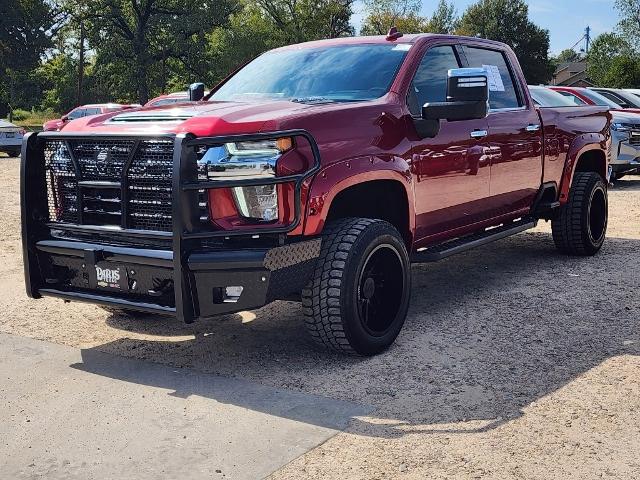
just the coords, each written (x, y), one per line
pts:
(32, 120)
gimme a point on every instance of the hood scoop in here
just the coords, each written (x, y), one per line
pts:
(141, 116)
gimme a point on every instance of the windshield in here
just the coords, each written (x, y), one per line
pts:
(598, 99)
(327, 74)
(546, 97)
(77, 113)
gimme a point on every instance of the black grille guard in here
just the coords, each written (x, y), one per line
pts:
(187, 233)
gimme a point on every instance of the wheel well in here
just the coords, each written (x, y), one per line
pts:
(592, 161)
(382, 199)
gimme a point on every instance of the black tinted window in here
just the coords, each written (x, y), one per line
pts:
(502, 92)
(614, 98)
(430, 81)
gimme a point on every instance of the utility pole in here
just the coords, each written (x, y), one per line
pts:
(587, 36)
(80, 86)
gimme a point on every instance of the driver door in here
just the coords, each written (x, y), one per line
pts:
(451, 170)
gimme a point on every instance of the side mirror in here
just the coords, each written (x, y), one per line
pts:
(467, 97)
(65, 118)
(196, 92)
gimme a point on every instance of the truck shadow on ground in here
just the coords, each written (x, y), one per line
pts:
(489, 332)
(629, 183)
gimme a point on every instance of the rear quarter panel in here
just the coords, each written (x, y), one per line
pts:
(569, 132)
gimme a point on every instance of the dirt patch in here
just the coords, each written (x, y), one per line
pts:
(515, 361)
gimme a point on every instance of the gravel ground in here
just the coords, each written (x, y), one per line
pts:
(515, 361)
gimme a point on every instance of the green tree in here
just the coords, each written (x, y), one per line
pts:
(508, 21)
(444, 20)
(384, 14)
(139, 36)
(630, 20)
(612, 62)
(567, 55)
(302, 20)
(25, 34)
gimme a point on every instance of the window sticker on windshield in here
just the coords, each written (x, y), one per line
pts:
(494, 78)
(404, 47)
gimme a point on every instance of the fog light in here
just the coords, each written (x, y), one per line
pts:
(257, 202)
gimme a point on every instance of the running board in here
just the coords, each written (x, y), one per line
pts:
(459, 245)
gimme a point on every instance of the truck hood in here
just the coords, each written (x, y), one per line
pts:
(625, 117)
(202, 119)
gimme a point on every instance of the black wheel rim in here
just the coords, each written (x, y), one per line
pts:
(380, 289)
(598, 215)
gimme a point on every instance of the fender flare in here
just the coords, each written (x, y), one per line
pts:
(339, 176)
(582, 144)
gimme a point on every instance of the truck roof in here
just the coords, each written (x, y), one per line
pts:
(382, 39)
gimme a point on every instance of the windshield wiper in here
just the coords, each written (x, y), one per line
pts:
(313, 100)
(325, 100)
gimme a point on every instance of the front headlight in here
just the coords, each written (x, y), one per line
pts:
(247, 160)
(260, 147)
(259, 202)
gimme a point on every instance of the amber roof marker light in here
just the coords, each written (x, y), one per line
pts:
(393, 34)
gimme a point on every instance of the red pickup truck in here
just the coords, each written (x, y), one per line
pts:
(83, 111)
(317, 172)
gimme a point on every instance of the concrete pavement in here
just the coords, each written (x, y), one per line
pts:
(69, 413)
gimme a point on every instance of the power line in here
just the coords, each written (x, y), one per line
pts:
(585, 36)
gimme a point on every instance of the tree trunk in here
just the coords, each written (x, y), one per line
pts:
(142, 86)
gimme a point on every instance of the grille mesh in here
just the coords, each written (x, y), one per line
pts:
(148, 183)
(103, 160)
(150, 186)
(62, 186)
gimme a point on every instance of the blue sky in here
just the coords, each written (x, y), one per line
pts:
(565, 19)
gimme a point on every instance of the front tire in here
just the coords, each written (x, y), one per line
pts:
(581, 225)
(358, 297)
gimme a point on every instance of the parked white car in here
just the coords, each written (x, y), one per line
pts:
(10, 138)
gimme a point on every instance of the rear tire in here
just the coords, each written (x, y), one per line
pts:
(358, 297)
(581, 225)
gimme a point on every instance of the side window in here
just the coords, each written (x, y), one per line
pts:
(572, 97)
(613, 97)
(77, 113)
(430, 81)
(92, 111)
(502, 93)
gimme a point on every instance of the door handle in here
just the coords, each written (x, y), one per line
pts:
(479, 134)
(533, 128)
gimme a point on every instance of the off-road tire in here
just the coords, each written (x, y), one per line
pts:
(333, 302)
(581, 225)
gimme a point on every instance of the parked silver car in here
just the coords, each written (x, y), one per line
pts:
(622, 97)
(625, 128)
(10, 138)
(625, 143)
